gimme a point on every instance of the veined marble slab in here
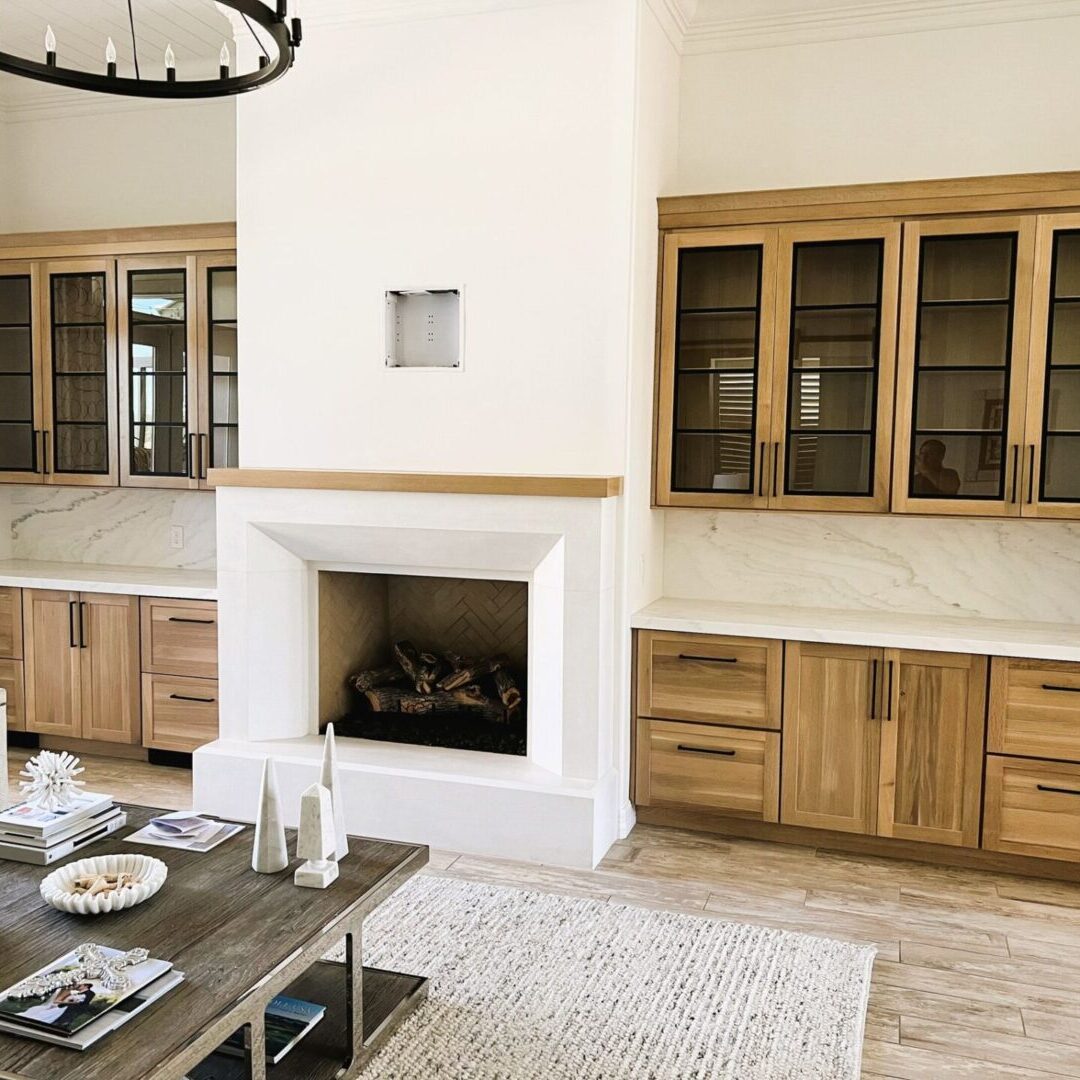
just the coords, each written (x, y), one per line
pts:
(936, 633)
(127, 580)
(990, 569)
(110, 526)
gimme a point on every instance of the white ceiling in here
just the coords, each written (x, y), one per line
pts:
(194, 28)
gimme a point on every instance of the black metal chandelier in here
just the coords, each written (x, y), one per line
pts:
(276, 56)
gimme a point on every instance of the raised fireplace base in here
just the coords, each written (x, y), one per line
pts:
(487, 804)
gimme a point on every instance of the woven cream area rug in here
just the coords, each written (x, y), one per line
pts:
(527, 985)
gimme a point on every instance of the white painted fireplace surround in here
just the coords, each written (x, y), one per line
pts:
(561, 804)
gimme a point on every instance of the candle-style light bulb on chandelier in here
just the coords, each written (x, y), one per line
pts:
(276, 48)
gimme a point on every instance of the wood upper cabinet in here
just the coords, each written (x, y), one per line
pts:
(831, 736)
(79, 383)
(715, 379)
(218, 364)
(82, 665)
(930, 785)
(963, 362)
(884, 742)
(1051, 473)
(21, 374)
(777, 363)
(834, 366)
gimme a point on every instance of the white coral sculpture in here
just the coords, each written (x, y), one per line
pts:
(50, 780)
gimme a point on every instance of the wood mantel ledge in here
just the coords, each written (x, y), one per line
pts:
(575, 487)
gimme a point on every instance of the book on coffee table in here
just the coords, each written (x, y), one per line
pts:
(25, 819)
(69, 1009)
(31, 850)
(287, 1020)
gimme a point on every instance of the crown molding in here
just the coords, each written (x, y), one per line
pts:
(62, 103)
(675, 18)
(333, 12)
(716, 33)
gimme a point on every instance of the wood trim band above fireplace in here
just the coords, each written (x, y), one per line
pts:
(579, 487)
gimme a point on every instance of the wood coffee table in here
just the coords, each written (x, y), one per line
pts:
(240, 938)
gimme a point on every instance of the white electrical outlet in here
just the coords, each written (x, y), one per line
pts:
(176, 536)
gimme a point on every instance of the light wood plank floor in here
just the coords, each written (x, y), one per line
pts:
(978, 974)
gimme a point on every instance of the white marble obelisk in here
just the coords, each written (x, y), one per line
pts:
(269, 855)
(332, 782)
(315, 840)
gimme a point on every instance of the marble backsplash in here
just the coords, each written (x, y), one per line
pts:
(1025, 570)
(113, 526)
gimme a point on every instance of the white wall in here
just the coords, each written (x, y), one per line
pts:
(965, 102)
(121, 166)
(489, 151)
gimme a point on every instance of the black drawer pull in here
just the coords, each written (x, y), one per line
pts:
(710, 659)
(1063, 689)
(706, 750)
(185, 697)
(200, 622)
(1057, 790)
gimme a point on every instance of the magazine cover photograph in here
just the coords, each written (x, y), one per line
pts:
(72, 1007)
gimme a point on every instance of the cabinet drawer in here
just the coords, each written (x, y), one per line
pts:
(179, 637)
(1032, 808)
(179, 714)
(731, 770)
(1035, 708)
(11, 627)
(11, 680)
(720, 680)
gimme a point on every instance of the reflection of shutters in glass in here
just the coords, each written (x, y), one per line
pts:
(809, 418)
(735, 413)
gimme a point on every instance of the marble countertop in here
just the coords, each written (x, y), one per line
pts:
(991, 637)
(89, 577)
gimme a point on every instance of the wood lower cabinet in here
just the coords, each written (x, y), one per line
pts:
(1034, 709)
(932, 747)
(1032, 808)
(11, 681)
(733, 770)
(11, 624)
(81, 665)
(180, 714)
(831, 737)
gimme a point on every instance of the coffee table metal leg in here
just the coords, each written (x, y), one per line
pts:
(354, 992)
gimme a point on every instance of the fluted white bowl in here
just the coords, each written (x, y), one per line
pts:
(58, 889)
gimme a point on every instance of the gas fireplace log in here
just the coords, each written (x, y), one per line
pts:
(421, 668)
(471, 695)
(410, 703)
(431, 667)
(507, 688)
(386, 675)
(470, 674)
(385, 698)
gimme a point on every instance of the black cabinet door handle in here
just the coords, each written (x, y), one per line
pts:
(35, 462)
(192, 468)
(1031, 475)
(1061, 689)
(71, 623)
(775, 466)
(82, 624)
(888, 692)
(203, 455)
(1015, 470)
(186, 697)
(761, 472)
(45, 451)
(198, 622)
(1057, 790)
(873, 689)
(704, 750)
(710, 659)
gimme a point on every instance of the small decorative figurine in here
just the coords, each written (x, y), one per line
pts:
(269, 854)
(50, 780)
(315, 840)
(332, 783)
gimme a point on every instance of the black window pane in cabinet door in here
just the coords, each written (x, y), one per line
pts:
(834, 337)
(79, 350)
(159, 450)
(1063, 401)
(226, 448)
(1065, 334)
(967, 268)
(1061, 469)
(969, 335)
(718, 462)
(16, 355)
(833, 464)
(1067, 266)
(81, 448)
(161, 348)
(223, 347)
(724, 401)
(80, 399)
(222, 294)
(717, 339)
(711, 278)
(16, 398)
(15, 300)
(224, 400)
(78, 299)
(837, 274)
(951, 466)
(832, 399)
(158, 399)
(16, 447)
(960, 401)
(158, 297)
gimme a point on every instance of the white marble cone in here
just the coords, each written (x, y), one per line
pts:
(315, 840)
(269, 855)
(332, 782)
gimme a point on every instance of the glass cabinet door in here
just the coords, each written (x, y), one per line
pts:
(219, 378)
(835, 353)
(716, 350)
(20, 387)
(963, 364)
(80, 382)
(157, 378)
(1051, 480)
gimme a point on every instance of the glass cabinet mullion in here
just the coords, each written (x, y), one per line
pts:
(18, 404)
(222, 362)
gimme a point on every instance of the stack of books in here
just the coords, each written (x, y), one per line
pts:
(78, 1015)
(31, 835)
